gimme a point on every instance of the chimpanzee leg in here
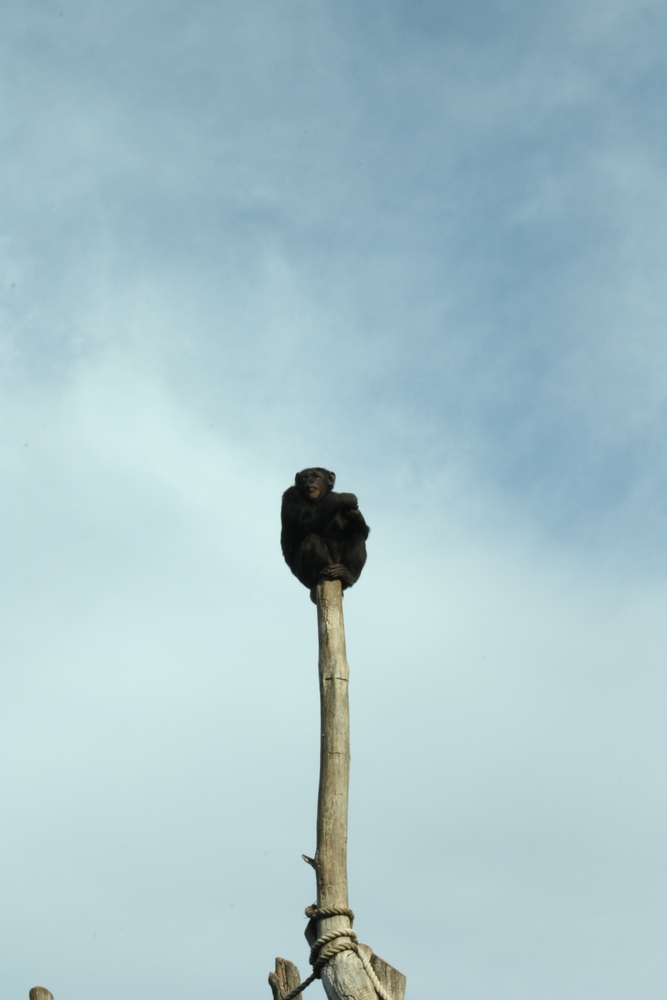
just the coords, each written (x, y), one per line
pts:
(311, 558)
(353, 556)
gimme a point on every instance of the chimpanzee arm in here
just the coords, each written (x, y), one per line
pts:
(301, 517)
(355, 520)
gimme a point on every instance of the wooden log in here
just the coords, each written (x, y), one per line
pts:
(353, 973)
(40, 993)
(334, 673)
(285, 979)
(344, 977)
(393, 981)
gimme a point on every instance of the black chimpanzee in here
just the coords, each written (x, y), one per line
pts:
(323, 533)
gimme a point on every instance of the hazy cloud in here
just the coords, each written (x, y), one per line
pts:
(422, 244)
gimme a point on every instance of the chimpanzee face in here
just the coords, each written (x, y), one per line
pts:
(315, 483)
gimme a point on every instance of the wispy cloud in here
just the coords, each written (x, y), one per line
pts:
(422, 244)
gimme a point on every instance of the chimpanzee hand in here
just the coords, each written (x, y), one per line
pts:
(348, 501)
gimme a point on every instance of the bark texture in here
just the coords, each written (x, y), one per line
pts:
(284, 979)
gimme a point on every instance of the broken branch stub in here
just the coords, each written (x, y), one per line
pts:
(285, 979)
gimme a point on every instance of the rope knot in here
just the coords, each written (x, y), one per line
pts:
(333, 942)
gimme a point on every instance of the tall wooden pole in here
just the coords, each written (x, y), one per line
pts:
(331, 855)
(352, 972)
(344, 976)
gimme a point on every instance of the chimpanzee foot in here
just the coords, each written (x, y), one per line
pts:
(339, 572)
(334, 572)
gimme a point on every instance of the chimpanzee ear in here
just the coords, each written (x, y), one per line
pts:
(331, 478)
(297, 479)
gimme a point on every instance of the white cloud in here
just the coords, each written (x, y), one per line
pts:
(237, 241)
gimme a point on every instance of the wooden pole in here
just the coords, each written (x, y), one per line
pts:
(331, 854)
(347, 974)
(344, 976)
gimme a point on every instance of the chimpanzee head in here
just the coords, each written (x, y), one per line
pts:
(315, 483)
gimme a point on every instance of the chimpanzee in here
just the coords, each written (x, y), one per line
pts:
(323, 533)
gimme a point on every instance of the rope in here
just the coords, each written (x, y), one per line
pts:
(301, 987)
(334, 943)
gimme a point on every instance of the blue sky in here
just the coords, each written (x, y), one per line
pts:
(421, 244)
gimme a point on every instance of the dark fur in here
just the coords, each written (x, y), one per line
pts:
(323, 537)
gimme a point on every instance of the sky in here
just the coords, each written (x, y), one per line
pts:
(422, 244)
